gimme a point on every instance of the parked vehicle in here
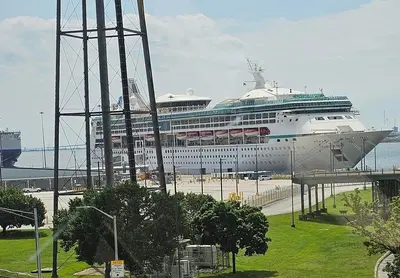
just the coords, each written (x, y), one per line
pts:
(31, 189)
(264, 178)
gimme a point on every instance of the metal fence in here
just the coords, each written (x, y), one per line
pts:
(192, 265)
(272, 195)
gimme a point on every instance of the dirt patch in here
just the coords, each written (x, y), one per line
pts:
(91, 272)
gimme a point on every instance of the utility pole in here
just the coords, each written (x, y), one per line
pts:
(56, 136)
(85, 39)
(125, 91)
(153, 106)
(104, 91)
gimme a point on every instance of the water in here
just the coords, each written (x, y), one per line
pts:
(387, 155)
(68, 159)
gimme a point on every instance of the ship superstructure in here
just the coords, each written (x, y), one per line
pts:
(260, 131)
(10, 147)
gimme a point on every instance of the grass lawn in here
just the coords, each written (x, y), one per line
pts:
(17, 253)
(323, 247)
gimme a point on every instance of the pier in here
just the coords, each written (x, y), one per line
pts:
(42, 178)
(385, 185)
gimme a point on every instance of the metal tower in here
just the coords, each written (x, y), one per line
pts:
(102, 34)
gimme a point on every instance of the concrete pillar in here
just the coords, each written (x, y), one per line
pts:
(375, 195)
(323, 197)
(302, 199)
(309, 199)
(316, 197)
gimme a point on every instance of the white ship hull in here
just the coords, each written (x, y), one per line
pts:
(311, 152)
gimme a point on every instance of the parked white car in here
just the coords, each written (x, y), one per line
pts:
(31, 189)
(264, 178)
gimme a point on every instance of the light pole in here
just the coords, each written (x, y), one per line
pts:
(43, 141)
(177, 222)
(220, 177)
(1, 158)
(114, 218)
(237, 170)
(35, 219)
(201, 169)
(256, 169)
(291, 175)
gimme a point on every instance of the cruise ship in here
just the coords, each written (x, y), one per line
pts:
(10, 147)
(269, 128)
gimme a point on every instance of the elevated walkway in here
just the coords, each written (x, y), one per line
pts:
(346, 177)
(385, 185)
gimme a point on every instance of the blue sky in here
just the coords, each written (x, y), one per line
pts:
(249, 10)
(347, 47)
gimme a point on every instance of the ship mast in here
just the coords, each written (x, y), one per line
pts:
(257, 71)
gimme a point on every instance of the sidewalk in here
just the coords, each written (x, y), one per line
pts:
(285, 206)
(379, 273)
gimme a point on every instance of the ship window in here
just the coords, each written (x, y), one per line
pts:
(278, 140)
(335, 117)
(349, 117)
(320, 118)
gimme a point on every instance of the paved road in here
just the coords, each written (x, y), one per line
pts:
(285, 206)
(213, 188)
(380, 272)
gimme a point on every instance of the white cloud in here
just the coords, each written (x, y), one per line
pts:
(353, 53)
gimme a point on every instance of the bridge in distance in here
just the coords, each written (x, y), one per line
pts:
(51, 149)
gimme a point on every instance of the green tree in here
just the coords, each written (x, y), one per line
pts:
(145, 220)
(14, 198)
(381, 230)
(233, 227)
(191, 204)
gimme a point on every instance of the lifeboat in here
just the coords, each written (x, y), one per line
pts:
(181, 136)
(251, 132)
(192, 136)
(236, 132)
(207, 135)
(222, 133)
(264, 131)
(149, 137)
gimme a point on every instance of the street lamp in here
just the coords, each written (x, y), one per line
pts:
(292, 176)
(43, 141)
(35, 219)
(237, 170)
(257, 169)
(220, 177)
(201, 169)
(114, 218)
(1, 158)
